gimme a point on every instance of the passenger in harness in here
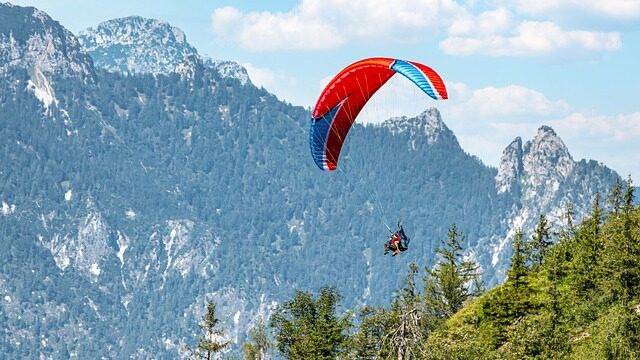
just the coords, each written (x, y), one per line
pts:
(398, 241)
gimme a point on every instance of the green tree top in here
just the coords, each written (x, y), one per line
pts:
(448, 284)
(308, 328)
(541, 240)
(209, 343)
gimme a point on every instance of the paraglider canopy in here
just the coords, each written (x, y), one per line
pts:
(342, 99)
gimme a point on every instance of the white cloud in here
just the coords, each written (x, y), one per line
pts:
(326, 24)
(488, 22)
(260, 76)
(277, 82)
(263, 31)
(486, 120)
(484, 147)
(617, 128)
(612, 139)
(329, 24)
(504, 102)
(616, 9)
(530, 38)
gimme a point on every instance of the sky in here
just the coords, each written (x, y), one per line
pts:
(510, 66)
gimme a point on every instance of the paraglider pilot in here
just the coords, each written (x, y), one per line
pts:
(398, 241)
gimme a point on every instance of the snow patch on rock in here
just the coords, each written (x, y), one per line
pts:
(85, 249)
(8, 209)
(130, 214)
(42, 89)
(123, 244)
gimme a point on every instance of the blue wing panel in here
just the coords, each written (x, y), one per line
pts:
(415, 75)
(318, 134)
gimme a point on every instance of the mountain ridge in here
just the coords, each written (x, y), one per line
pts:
(140, 190)
(136, 45)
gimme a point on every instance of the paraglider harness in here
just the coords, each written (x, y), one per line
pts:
(402, 243)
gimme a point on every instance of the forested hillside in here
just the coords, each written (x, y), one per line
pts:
(576, 299)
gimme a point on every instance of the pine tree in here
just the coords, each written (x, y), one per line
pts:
(448, 283)
(367, 342)
(630, 276)
(596, 217)
(568, 215)
(629, 196)
(258, 345)
(615, 197)
(513, 300)
(541, 241)
(588, 249)
(518, 270)
(311, 329)
(623, 258)
(556, 339)
(209, 343)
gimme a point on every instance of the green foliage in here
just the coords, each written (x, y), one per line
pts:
(615, 197)
(447, 284)
(209, 343)
(366, 342)
(400, 332)
(519, 268)
(259, 343)
(582, 301)
(308, 328)
(615, 335)
(541, 240)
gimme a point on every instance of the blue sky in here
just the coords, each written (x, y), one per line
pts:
(510, 66)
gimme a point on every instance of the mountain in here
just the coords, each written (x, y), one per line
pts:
(137, 45)
(543, 178)
(32, 41)
(130, 198)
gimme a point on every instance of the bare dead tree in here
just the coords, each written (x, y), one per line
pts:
(406, 336)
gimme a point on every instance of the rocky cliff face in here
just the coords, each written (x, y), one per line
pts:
(511, 168)
(136, 45)
(428, 126)
(30, 39)
(542, 177)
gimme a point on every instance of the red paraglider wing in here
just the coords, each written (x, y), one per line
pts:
(346, 94)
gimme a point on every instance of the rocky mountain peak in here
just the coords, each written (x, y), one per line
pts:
(546, 158)
(511, 167)
(541, 177)
(136, 45)
(540, 164)
(427, 124)
(30, 39)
